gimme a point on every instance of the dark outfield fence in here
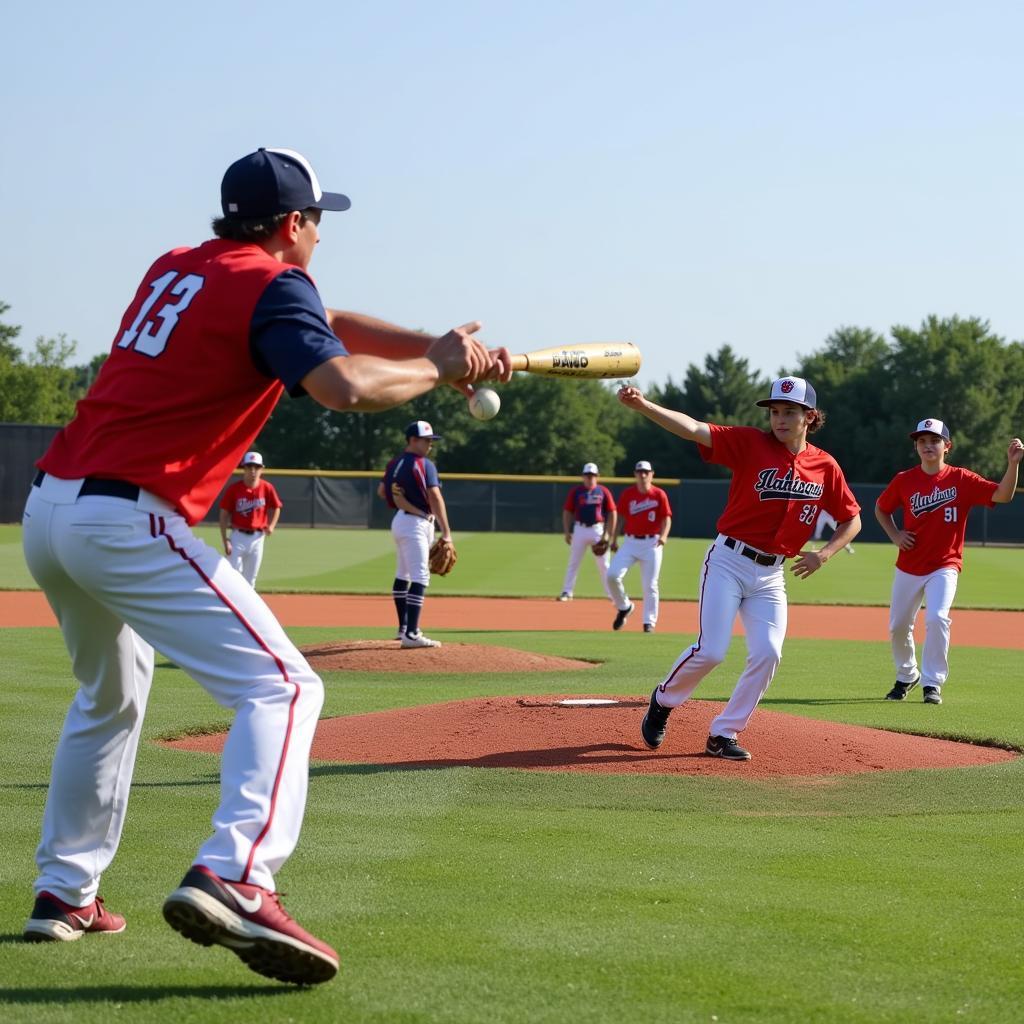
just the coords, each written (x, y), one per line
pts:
(476, 503)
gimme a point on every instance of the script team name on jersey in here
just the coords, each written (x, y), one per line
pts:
(920, 504)
(772, 487)
(244, 505)
(636, 507)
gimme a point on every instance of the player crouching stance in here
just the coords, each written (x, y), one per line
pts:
(779, 485)
(935, 500)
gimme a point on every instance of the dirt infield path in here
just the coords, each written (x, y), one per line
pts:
(977, 628)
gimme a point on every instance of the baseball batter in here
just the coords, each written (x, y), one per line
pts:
(412, 488)
(251, 507)
(779, 484)
(645, 519)
(107, 535)
(588, 518)
(934, 500)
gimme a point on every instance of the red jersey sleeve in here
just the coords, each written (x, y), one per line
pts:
(227, 502)
(609, 501)
(570, 500)
(273, 498)
(890, 499)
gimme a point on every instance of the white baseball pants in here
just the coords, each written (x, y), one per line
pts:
(648, 552)
(247, 554)
(729, 584)
(936, 591)
(413, 536)
(124, 577)
(583, 539)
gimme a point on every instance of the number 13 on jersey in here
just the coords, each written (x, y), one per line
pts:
(145, 334)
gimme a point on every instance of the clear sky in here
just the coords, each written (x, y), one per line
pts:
(683, 175)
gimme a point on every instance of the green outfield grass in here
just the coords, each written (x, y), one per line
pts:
(484, 895)
(533, 565)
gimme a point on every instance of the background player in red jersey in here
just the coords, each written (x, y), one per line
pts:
(588, 518)
(107, 537)
(779, 484)
(251, 507)
(645, 519)
(935, 500)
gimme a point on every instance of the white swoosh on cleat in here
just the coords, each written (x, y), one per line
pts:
(84, 922)
(249, 904)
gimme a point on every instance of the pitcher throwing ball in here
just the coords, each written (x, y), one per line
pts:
(780, 483)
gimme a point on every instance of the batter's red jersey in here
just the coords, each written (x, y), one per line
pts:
(935, 510)
(643, 514)
(248, 505)
(178, 401)
(589, 506)
(775, 496)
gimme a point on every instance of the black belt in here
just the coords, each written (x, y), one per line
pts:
(641, 536)
(250, 532)
(752, 553)
(95, 485)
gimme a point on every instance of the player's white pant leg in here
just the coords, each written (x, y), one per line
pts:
(141, 562)
(620, 565)
(413, 536)
(764, 612)
(720, 591)
(939, 591)
(92, 767)
(247, 554)
(603, 563)
(650, 572)
(907, 597)
(582, 539)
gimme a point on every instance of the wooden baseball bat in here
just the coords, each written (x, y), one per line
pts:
(593, 359)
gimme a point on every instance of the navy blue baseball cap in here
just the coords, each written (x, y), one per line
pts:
(272, 181)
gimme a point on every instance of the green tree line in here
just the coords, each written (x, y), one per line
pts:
(873, 389)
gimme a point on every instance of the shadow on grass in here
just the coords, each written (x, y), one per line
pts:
(54, 995)
(545, 757)
(812, 701)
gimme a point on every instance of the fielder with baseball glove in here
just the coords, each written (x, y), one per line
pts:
(588, 521)
(443, 556)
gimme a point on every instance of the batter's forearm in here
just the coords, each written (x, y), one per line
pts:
(367, 335)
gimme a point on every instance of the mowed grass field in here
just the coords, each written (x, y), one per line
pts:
(485, 895)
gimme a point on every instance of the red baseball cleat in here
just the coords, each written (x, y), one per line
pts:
(53, 920)
(251, 922)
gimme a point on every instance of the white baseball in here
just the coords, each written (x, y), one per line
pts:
(484, 404)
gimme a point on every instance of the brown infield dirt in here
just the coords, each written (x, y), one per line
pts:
(544, 734)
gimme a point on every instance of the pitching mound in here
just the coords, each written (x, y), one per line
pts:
(390, 656)
(602, 735)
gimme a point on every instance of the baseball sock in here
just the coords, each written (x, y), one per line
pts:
(398, 590)
(414, 605)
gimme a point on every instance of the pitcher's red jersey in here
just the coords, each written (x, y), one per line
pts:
(185, 334)
(775, 496)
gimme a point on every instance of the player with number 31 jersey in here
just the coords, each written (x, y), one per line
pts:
(934, 499)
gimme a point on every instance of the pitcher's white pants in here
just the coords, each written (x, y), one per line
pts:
(124, 577)
(583, 539)
(731, 584)
(648, 552)
(413, 536)
(937, 591)
(247, 554)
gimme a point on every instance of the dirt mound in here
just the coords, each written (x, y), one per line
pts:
(547, 734)
(390, 656)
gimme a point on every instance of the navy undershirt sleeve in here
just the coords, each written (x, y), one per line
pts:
(289, 335)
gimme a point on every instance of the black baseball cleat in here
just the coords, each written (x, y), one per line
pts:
(655, 722)
(620, 617)
(648, 627)
(900, 690)
(932, 695)
(726, 747)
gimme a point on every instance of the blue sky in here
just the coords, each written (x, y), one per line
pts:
(682, 175)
